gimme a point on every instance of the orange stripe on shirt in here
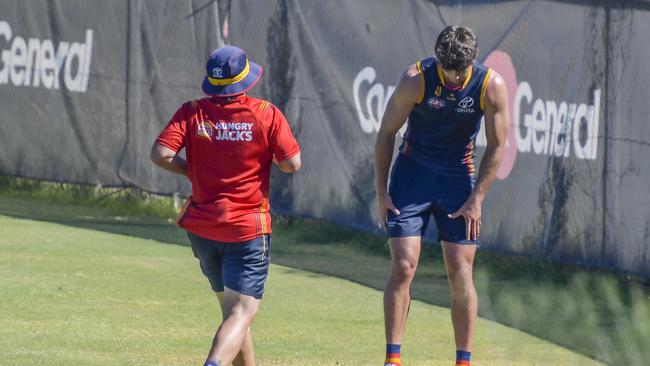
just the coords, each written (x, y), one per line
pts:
(484, 88)
(182, 213)
(263, 222)
(264, 209)
(422, 82)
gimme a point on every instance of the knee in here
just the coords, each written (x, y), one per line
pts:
(241, 312)
(240, 316)
(403, 271)
(460, 277)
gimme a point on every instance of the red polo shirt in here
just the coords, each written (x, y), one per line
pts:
(229, 146)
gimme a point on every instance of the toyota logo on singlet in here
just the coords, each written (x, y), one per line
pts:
(466, 102)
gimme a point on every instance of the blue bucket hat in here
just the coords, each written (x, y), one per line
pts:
(229, 72)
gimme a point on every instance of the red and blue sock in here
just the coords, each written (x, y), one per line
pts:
(462, 358)
(393, 355)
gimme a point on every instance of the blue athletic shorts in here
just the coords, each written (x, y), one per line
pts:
(418, 193)
(242, 267)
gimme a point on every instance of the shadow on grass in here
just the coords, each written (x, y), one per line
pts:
(598, 314)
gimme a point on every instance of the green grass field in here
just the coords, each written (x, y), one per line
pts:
(601, 315)
(75, 296)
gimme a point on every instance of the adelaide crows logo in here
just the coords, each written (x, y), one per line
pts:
(204, 129)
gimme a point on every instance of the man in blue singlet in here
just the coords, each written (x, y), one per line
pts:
(444, 98)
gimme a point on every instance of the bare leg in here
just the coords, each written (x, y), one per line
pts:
(246, 355)
(238, 313)
(459, 259)
(405, 253)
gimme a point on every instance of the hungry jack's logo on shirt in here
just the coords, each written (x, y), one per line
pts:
(234, 131)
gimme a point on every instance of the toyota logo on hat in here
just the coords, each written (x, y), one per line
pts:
(229, 72)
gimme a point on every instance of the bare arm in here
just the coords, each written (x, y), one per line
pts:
(406, 95)
(496, 131)
(168, 159)
(290, 165)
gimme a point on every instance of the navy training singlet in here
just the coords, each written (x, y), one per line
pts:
(442, 127)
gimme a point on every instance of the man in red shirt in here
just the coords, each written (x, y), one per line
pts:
(230, 142)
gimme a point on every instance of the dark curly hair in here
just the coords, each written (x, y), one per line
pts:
(456, 48)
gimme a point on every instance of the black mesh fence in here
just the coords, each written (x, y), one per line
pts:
(85, 86)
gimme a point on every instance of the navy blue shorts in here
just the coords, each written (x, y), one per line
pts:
(418, 193)
(242, 267)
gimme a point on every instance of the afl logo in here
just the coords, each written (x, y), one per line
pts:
(217, 72)
(466, 102)
(436, 103)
